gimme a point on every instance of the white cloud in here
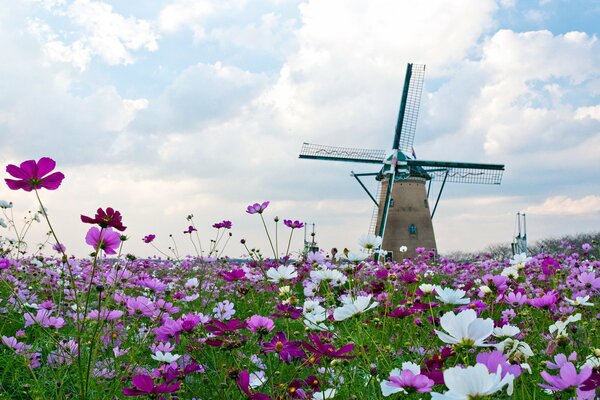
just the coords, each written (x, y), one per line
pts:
(592, 112)
(563, 205)
(101, 32)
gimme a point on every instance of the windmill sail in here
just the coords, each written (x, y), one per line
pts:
(460, 172)
(320, 152)
(409, 108)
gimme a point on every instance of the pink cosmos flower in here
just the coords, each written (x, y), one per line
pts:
(243, 382)
(257, 208)
(59, 247)
(234, 275)
(406, 380)
(107, 239)
(567, 378)
(293, 224)
(4, 263)
(493, 360)
(107, 218)
(223, 224)
(144, 385)
(33, 175)
(258, 323)
(105, 314)
(149, 238)
(44, 318)
(284, 348)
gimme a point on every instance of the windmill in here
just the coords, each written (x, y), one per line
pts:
(402, 215)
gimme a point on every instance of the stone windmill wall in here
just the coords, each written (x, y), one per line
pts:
(409, 218)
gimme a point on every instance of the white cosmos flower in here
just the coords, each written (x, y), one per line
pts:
(282, 273)
(403, 249)
(369, 241)
(353, 307)
(471, 382)
(166, 357)
(510, 272)
(2, 223)
(580, 301)
(426, 288)
(506, 331)
(519, 260)
(5, 204)
(257, 379)
(324, 395)
(191, 283)
(356, 256)
(560, 327)
(465, 328)
(515, 347)
(451, 296)
(332, 275)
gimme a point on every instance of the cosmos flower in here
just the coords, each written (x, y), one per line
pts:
(356, 257)
(190, 229)
(106, 240)
(567, 378)
(369, 241)
(284, 348)
(471, 383)
(32, 175)
(580, 301)
(353, 307)
(282, 273)
(149, 238)
(165, 357)
(407, 377)
(257, 208)
(323, 349)
(293, 224)
(451, 296)
(243, 382)
(324, 395)
(258, 323)
(4, 263)
(144, 385)
(465, 328)
(59, 247)
(105, 219)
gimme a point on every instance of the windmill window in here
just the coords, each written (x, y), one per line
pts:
(391, 202)
(412, 229)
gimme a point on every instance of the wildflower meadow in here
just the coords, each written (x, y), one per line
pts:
(283, 324)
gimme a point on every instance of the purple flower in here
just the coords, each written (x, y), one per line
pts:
(586, 247)
(258, 323)
(560, 360)
(409, 378)
(224, 310)
(287, 311)
(190, 229)
(234, 275)
(257, 208)
(33, 175)
(495, 359)
(223, 224)
(324, 349)
(546, 300)
(567, 378)
(144, 385)
(286, 349)
(149, 238)
(107, 239)
(243, 382)
(4, 263)
(293, 224)
(105, 219)
(59, 247)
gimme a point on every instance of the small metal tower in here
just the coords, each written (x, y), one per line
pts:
(519, 244)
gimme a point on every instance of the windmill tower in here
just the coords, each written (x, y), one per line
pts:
(402, 215)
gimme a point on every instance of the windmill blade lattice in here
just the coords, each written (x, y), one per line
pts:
(320, 152)
(459, 172)
(407, 121)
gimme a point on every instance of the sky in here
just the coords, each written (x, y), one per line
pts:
(168, 108)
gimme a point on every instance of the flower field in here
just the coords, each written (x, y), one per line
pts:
(206, 327)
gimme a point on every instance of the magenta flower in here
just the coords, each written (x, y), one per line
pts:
(406, 380)
(190, 229)
(258, 323)
(33, 175)
(107, 239)
(234, 275)
(257, 208)
(44, 318)
(567, 378)
(144, 385)
(287, 311)
(149, 238)
(293, 224)
(284, 348)
(324, 349)
(4, 263)
(105, 219)
(105, 314)
(243, 382)
(223, 224)
(546, 300)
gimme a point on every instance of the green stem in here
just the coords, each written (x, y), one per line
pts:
(270, 241)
